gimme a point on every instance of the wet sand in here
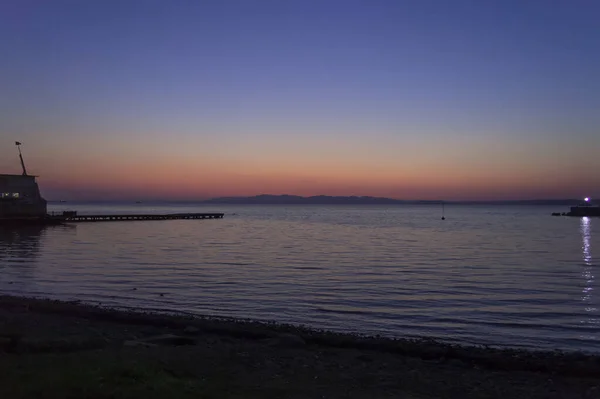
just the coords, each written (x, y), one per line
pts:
(54, 349)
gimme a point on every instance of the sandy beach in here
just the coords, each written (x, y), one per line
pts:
(71, 350)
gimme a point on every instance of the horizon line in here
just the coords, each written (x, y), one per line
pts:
(317, 196)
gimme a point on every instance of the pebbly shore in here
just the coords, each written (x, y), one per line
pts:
(102, 352)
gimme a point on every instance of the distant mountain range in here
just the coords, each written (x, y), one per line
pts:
(298, 200)
(267, 199)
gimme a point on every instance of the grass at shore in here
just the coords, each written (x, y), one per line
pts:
(93, 375)
(52, 349)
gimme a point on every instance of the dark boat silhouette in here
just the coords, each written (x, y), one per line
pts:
(585, 208)
(20, 200)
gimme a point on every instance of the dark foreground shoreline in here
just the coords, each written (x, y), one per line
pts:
(67, 349)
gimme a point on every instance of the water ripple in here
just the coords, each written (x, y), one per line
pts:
(498, 276)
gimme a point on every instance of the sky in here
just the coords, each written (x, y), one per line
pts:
(409, 99)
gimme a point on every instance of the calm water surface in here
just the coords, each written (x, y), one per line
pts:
(489, 275)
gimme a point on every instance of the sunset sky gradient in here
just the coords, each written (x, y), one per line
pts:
(414, 99)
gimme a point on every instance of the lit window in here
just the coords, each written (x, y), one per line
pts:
(15, 195)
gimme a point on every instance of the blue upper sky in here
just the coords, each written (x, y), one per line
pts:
(423, 73)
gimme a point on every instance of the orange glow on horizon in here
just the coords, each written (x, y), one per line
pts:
(309, 165)
(185, 181)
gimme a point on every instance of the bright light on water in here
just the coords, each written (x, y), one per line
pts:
(587, 274)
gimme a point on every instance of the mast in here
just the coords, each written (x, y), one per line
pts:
(18, 144)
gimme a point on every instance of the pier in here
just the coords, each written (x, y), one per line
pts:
(72, 217)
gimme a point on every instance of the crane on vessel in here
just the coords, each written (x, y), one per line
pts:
(18, 144)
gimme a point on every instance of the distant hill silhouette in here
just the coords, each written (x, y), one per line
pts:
(266, 199)
(298, 200)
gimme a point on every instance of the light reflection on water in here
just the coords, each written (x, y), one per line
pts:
(588, 277)
(491, 275)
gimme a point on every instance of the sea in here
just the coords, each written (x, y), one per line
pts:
(507, 276)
